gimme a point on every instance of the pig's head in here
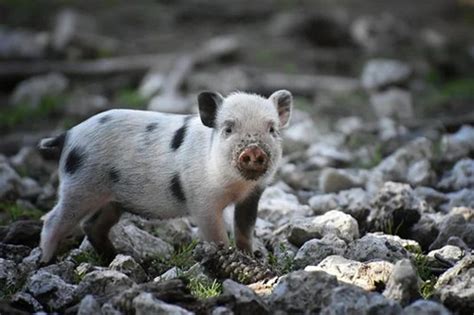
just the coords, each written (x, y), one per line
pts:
(246, 131)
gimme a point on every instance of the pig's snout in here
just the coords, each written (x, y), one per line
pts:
(253, 162)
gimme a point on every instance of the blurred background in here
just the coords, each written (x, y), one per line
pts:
(360, 61)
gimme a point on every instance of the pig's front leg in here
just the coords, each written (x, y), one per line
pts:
(245, 216)
(211, 225)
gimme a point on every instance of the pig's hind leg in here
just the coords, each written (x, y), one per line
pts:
(72, 208)
(97, 229)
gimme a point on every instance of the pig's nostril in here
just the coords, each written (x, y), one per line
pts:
(246, 159)
(260, 160)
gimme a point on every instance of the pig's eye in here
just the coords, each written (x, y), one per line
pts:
(272, 129)
(228, 130)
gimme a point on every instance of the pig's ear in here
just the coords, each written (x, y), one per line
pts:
(209, 103)
(283, 101)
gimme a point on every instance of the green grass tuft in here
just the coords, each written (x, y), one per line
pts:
(15, 212)
(131, 99)
(424, 272)
(204, 288)
(283, 265)
(90, 257)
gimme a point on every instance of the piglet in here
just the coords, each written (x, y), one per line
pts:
(161, 166)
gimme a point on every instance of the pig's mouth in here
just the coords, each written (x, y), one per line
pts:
(252, 162)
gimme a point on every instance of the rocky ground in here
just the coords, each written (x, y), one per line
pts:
(372, 209)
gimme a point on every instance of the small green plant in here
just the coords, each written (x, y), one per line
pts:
(131, 98)
(15, 212)
(11, 116)
(90, 257)
(284, 264)
(424, 272)
(203, 288)
(181, 258)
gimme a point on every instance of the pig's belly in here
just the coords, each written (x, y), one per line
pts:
(152, 203)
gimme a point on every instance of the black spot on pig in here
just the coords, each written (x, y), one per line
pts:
(151, 126)
(74, 160)
(176, 188)
(104, 119)
(114, 175)
(179, 135)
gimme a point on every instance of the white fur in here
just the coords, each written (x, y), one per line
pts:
(146, 164)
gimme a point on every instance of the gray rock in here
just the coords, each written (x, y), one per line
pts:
(454, 225)
(109, 309)
(448, 252)
(458, 145)
(460, 177)
(32, 90)
(462, 198)
(145, 303)
(14, 252)
(225, 81)
(89, 305)
(395, 209)
(326, 153)
(103, 283)
(302, 292)
(169, 274)
(29, 161)
(455, 288)
(63, 269)
(420, 173)
(50, 290)
(301, 133)
(374, 246)
(354, 300)
(433, 197)
(221, 310)
(26, 302)
(394, 103)
(396, 166)
(29, 188)
(8, 273)
(10, 182)
(353, 201)
(128, 266)
(423, 307)
(23, 44)
(336, 222)
(425, 231)
(245, 300)
(278, 206)
(23, 232)
(175, 232)
(140, 244)
(368, 276)
(403, 284)
(335, 180)
(314, 251)
(380, 73)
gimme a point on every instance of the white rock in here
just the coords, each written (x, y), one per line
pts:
(364, 275)
(335, 180)
(336, 222)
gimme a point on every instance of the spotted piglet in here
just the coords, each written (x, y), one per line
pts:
(162, 166)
